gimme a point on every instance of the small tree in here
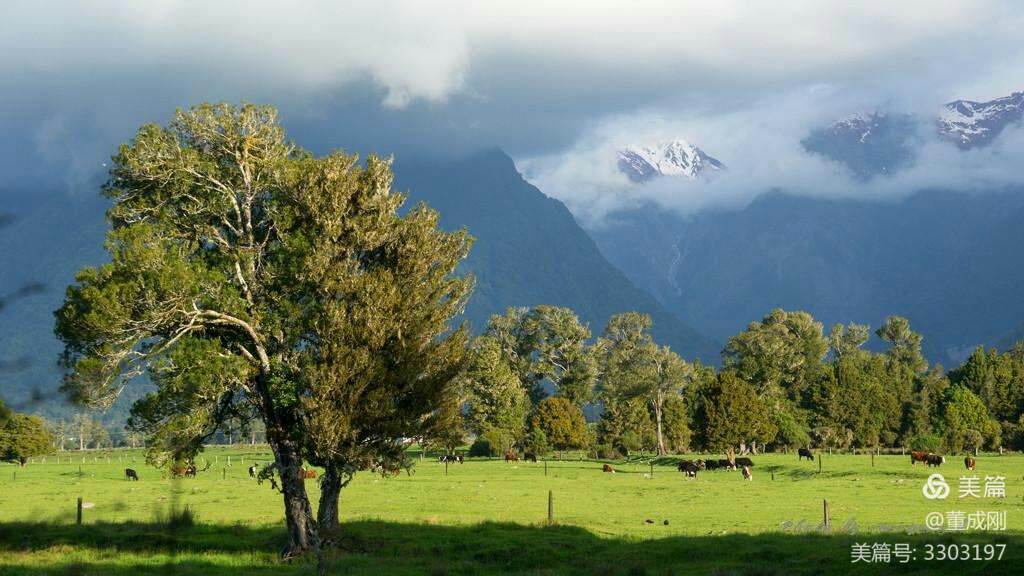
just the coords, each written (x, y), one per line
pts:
(22, 437)
(562, 423)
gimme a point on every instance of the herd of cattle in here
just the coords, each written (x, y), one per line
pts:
(688, 467)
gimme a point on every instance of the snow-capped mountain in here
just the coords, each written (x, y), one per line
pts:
(867, 143)
(970, 124)
(675, 158)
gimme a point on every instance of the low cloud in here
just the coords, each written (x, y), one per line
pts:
(761, 147)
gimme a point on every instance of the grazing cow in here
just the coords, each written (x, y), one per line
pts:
(180, 471)
(918, 456)
(688, 467)
(451, 458)
(306, 474)
(804, 453)
(726, 463)
(252, 471)
(746, 473)
(530, 457)
(190, 471)
(935, 460)
(608, 468)
(511, 456)
(969, 463)
(743, 462)
(130, 474)
(712, 465)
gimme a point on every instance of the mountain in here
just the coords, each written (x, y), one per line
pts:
(868, 144)
(675, 158)
(943, 259)
(529, 250)
(969, 124)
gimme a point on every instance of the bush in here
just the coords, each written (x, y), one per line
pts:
(481, 448)
(926, 442)
(605, 452)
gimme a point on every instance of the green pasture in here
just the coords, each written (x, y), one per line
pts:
(489, 516)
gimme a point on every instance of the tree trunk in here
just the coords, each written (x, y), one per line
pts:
(327, 512)
(302, 534)
(657, 418)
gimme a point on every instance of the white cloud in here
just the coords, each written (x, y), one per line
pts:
(761, 147)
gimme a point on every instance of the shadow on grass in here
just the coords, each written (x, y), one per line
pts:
(378, 548)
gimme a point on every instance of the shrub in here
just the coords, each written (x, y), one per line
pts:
(481, 448)
(926, 442)
(605, 452)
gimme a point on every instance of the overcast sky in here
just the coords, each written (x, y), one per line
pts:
(554, 84)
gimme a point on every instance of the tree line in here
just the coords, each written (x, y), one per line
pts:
(783, 383)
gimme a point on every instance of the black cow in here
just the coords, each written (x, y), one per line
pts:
(744, 461)
(804, 453)
(711, 465)
(530, 457)
(130, 474)
(688, 467)
(252, 471)
(451, 458)
(935, 460)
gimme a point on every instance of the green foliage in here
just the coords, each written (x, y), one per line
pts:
(966, 422)
(562, 423)
(780, 355)
(496, 398)
(626, 425)
(731, 412)
(546, 343)
(537, 441)
(926, 442)
(481, 448)
(23, 436)
(676, 425)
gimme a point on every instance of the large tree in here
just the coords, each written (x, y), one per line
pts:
(217, 280)
(547, 343)
(380, 360)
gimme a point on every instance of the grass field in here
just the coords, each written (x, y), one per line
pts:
(487, 516)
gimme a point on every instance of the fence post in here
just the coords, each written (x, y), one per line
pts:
(551, 509)
(223, 473)
(819, 463)
(79, 514)
(827, 519)
(445, 466)
(872, 459)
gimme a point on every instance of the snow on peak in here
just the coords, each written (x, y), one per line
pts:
(860, 124)
(675, 158)
(969, 123)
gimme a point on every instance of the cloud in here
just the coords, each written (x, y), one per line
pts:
(443, 78)
(761, 147)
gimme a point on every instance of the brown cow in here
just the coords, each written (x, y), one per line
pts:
(608, 468)
(918, 456)
(180, 471)
(969, 463)
(511, 456)
(306, 474)
(746, 473)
